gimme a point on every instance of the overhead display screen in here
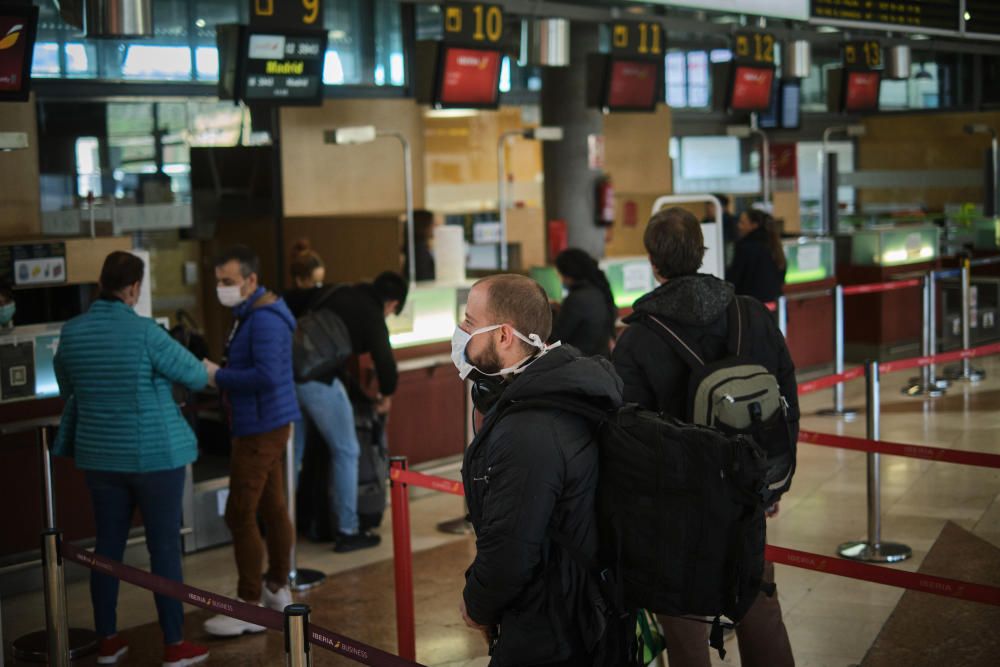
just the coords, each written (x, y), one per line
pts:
(916, 14)
(787, 9)
(751, 88)
(983, 16)
(17, 38)
(861, 91)
(469, 78)
(633, 85)
(284, 69)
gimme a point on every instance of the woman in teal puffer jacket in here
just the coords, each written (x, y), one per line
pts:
(122, 427)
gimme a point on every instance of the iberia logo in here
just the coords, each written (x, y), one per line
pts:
(10, 39)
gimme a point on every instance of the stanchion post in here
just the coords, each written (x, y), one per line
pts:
(297, 636)
(874, 550)
(968, 372)
(924, 385)
(56, 621)
(403, 560)
(932, 330)
(298, 579)
(783, 315)
(77, 642)
(838, 357)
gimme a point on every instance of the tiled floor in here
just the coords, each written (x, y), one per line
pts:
(832, 621)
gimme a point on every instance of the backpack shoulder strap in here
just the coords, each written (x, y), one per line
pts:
(683, 349)
(736, 326)
(325, 294)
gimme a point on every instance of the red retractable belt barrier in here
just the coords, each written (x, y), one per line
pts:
(427, 481)
(961, 456)
(831, 380)
(878, 574)
(771, 305)
(947, 357)
(872, 288)
(269, 618)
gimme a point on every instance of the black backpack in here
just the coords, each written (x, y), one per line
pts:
(321, 343)
(681, 518)
(737, 396)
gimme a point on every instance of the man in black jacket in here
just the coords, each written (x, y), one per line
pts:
(657, 378)
(529, 475)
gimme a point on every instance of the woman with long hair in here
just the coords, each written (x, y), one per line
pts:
(586, 319)
(759, 265)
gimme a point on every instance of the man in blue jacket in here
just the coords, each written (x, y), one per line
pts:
(258, 390)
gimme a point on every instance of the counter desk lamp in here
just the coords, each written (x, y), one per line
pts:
(747, 131)
(828, 194)
(366, 134)
(542, 133)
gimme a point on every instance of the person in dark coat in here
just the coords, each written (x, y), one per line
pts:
(528, 473)
(423, 236)
(586, 319)
(656, 378)
(363, 309)
(758, 267)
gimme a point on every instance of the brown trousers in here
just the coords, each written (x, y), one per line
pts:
(257, 486)
(762, 636)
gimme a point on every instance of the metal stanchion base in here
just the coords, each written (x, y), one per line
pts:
(457, 526)
(35, 646)
(304, 579)
(886, 552)
(846, 413)
(956, 374)
(934, 390)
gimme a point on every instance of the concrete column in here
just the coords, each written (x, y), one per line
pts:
(569, 181)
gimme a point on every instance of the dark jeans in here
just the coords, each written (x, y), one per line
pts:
(115, 496)
(762, 637)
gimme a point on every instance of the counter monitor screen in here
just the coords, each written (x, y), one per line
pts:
(633, 85)
(791, 105)
(17, 45)
(469, 78)
(751, 88)
(861, 91)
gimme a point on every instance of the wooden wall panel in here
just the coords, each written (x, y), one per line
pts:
(460, 154)
(325, 180)
(354, 249)
(20, 200)
(637, 151)
(920, 142)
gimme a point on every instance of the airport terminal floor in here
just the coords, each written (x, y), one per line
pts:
(949, 514)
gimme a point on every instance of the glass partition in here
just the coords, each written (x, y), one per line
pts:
(809, 260)
(630, 278)
(895, 246)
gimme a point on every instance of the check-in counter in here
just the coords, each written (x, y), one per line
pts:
(811, 271)
(884, 324)
(630, 278)
(429, 410)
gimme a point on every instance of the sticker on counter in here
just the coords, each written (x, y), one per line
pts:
(637, 277)
(39, 271)
(809, 257)
(221, 498)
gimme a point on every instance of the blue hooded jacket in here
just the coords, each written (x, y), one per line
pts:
(257, 378)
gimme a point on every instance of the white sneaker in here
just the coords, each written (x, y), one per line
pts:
(277, 601)
(224, 626)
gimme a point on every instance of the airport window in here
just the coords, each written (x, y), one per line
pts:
(365, 44)
(688, 79)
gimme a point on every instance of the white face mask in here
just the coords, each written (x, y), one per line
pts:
(460, 341)
(229, 295)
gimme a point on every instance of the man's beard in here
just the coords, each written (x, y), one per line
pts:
(489, 361)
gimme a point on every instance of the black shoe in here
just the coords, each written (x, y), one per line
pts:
(348, 543)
